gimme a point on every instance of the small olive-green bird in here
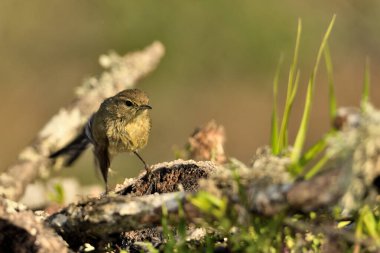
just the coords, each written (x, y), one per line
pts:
(121, 124)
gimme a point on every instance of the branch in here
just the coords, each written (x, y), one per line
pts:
(122, 72)
(103, 219)
(22, 231)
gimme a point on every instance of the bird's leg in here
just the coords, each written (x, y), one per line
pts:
(147, 168)
(105, 193)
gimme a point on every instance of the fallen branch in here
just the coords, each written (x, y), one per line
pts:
(22, 231)
(103, 219)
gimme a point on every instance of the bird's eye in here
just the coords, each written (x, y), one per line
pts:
(128, 103)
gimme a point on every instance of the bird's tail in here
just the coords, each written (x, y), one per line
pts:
(73, 150)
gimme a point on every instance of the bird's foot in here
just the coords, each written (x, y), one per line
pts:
(105, 193)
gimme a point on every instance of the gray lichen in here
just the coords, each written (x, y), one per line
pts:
(359, 144)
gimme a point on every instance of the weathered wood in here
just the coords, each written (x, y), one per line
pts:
(21, 231)
(103, 219)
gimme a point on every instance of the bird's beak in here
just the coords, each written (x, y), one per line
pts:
(145, 107)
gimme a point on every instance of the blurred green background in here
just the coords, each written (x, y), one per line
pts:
(219, 64)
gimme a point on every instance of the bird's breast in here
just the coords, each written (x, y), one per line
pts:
(128, 136)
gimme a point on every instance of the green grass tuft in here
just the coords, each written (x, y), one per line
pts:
(301, 134)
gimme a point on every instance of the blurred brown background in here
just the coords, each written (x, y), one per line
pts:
(220, 61)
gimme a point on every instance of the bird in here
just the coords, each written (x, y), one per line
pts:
(121, 124)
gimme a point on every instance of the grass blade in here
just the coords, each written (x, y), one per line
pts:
(293, 67)
(330, 76)
(301, 134)
(283, 138)
(291, 89)
(369, 223)
(315, 150)
(317, 167)
(311, 154)
(294, 92)
(367, 83)
(274, 125)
